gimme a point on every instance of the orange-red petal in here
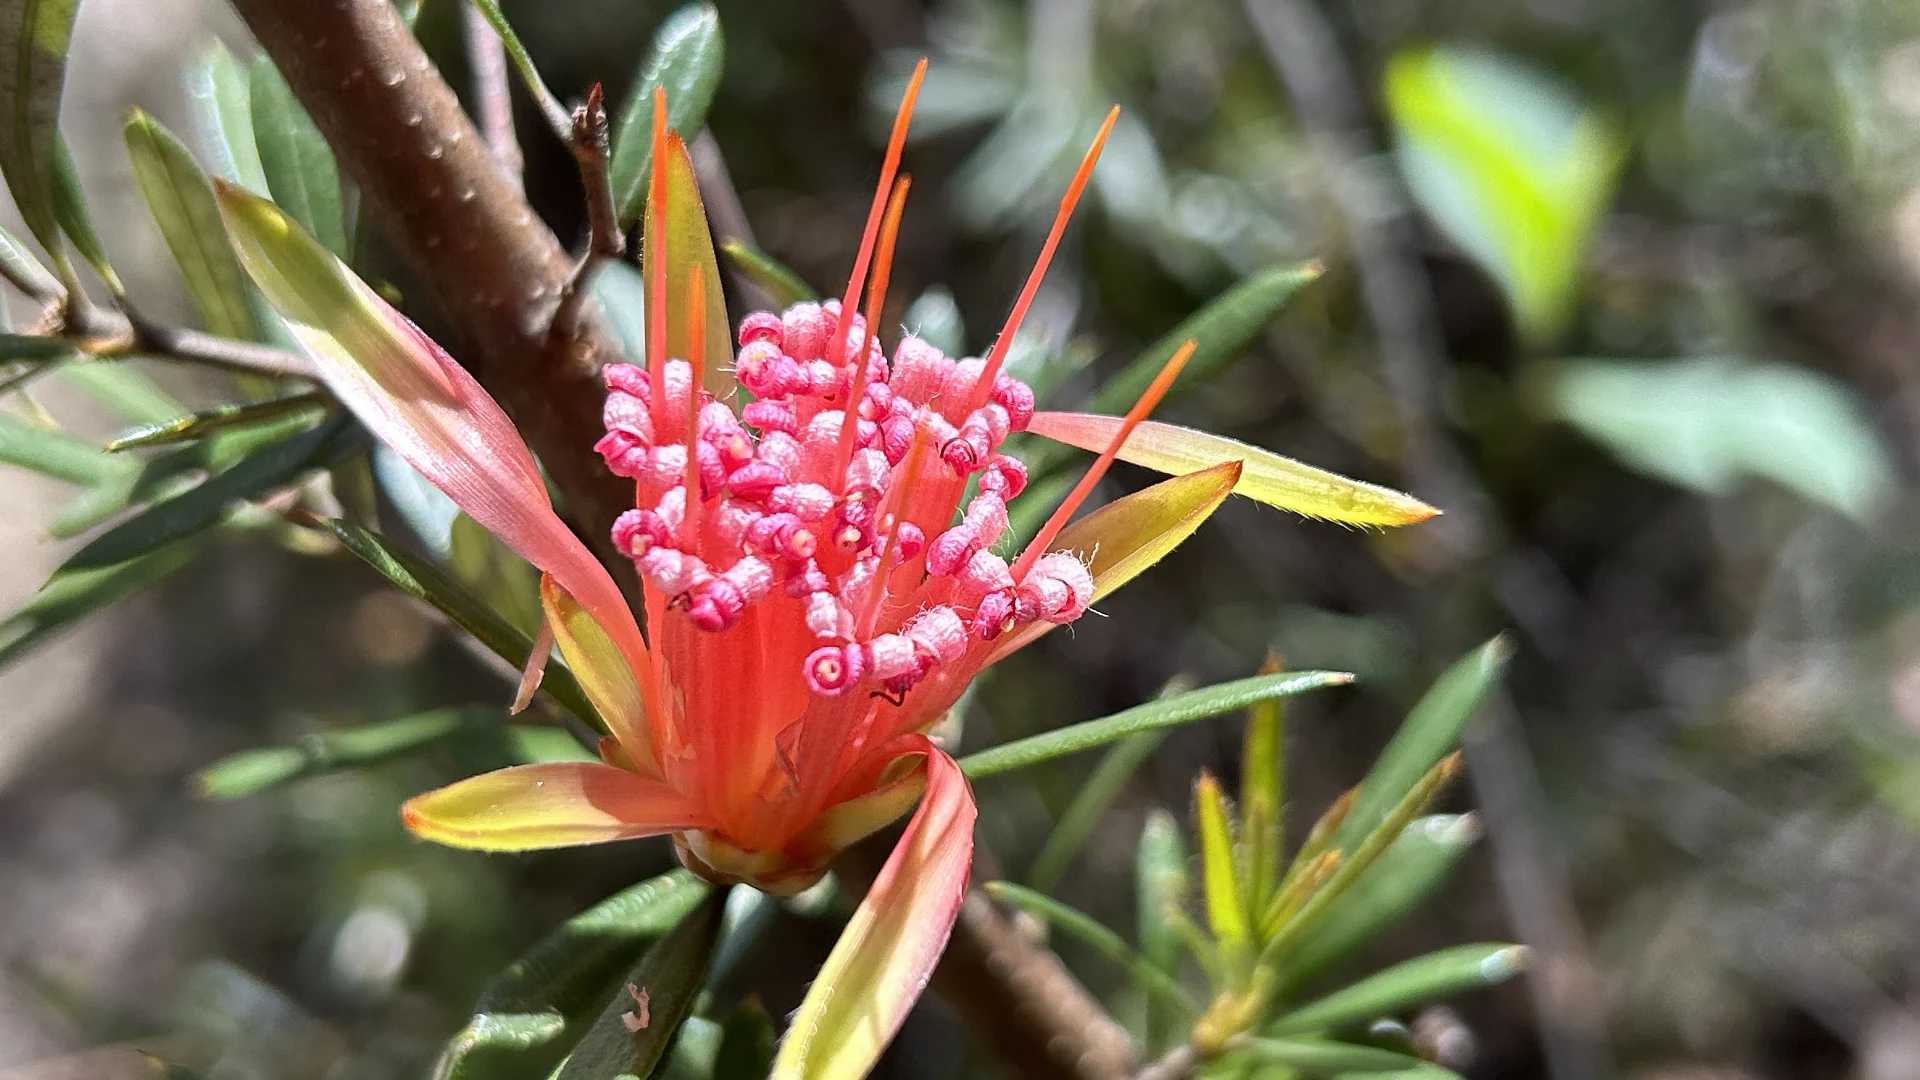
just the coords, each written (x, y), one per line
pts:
(557, 804)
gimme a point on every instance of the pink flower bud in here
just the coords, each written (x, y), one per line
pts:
(624, 454)
(993, 616)
(1004, 476)
(627, 379)
(950, 551)
(891, 655)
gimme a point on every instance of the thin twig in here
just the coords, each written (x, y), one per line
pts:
(493, 93)
(194, 346)
(605, 239)
(1176, 1064)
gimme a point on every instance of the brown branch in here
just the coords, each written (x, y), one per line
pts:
(493, 93)
(456, 216)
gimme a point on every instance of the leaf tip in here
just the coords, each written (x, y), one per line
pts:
(1506, 963)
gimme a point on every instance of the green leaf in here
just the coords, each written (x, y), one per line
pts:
(219, 418)
(1152, 716)
(421, 579)
(265, 470)
(1510, 165)
(782, 285)
(1160, 882)
(1411, 868)
(1263, 796)
(33, 68)
(934, 318)
(253, 771)
(57, 454)
(1150, 976)
(670, 974)
(1324, 1057)
(125, 389)
(556, 114)
(298, 164)
(1407, 985)
(1708, 423)
(76, 220)
(530, 1013)
(425, 508)
(747, 1043)
(1423, 1071)
(542, 745)
(1090, 802)
(695, 1050)
(21, 267)
(1431, 732)
(1227, 915)
(622, 294)
(222, 99)
(73, 595)
(687, 56)
(508, 583)
(181, 201)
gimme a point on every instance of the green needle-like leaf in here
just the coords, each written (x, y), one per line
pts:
(670, 975)
(253, 771)
(1408, 985)
(555, 114)
(219, 418)
(688, 53)
(125, 389)
(222, 100)
(1324, 1057)
(1431, 732)
(299, 166)
(785, 287)
(1152, 716)
(1091, 801)
(1084, 927)
(181, 201)
(73, 595)
(33, 68)
(20, 266)
(428, 582)
(76, 219)
(58, 454)
(1160, 882)
(1262, 796)
(1219, 877)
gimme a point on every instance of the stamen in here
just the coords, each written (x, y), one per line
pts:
(876, 297)
(657, 265)
(696, 361)
(1081, 490)
(895, 143)
(1005, 341)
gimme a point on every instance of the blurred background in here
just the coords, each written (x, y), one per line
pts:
(1625, 286)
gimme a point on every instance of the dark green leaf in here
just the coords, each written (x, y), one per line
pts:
(253, 771)
(670, 975)
(747, 1044)
(181, 201)
(265, 470)
(695, 1049)
(17, 348)
(1431, 732)
(33, 68)
(422, 579)
(1408, 985)
(76, 220)
(688, 53)
(1164, 713)
(782, 285)
(219, 418)
(299, 166)
(72, 595)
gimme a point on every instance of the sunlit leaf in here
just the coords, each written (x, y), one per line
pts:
(298, 164)
(219, 418)
(32, 71)
(1152, 716)
(548, 805)
(1509, 164)
(1708, 423)
(602, 671)
(688, 248)
(694, 1052)
(785, 287)
(1263, 796)
(686, 58)
(1407, 985)
(1104, 941)
(622, 294)
(1219, 877)
(181, 202)
(58, 454)
(670, 974)
(73, 595)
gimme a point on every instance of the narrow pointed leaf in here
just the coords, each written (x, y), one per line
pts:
(1408, 985)
(125, 389)
(671, 974)
(181, 201)
(507, 582)
(1104, 941)
(1431, 731)
(260, 473)
(533, 807)
(535, 1009)
(299, 167)
(424, 581)
(1220, 878)
(222, 99)
(1089, 804)
(1160, 880)
(58, 454)
(694, 1052)
(219, 418)
(556, 114)
(687, 56)
(76, 218)
(1126, 536)
(1266, 477)
(887, 952)
(782, 285)
(1324, 1057)
(73, 595)
(689, 245)
(33, 69)
(1152, 716)
(747, 1043)
(20, 266)
(253, 771)
(1409, 871)
(1262, 796)
(22, 348)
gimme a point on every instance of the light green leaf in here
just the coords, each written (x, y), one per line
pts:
(1151, 977)
(220, 418)
(1407, 985)
(1431, 732)
(695, 1050)
(1708, 423)
(1152, 716)
(1227, 914)
(181, 201)
(934, 318)
(222, 101)
(687, 56)
(125, 389)
(1160, 881)
(299, 167)
(537, 1007)
(73, 595)
(622, 294)
(1509, 165)
(58, 454)
(1263, 797)
(20, 266)
(33, 68)
(421, 579)
(253, 771)
(671, 974)
(785, 287)
(265, 470)
(1412, 867)
(76, 220)
(1090, 802)
(1324, 1057)
(508, 583)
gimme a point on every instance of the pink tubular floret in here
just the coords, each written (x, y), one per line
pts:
(788, 503)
